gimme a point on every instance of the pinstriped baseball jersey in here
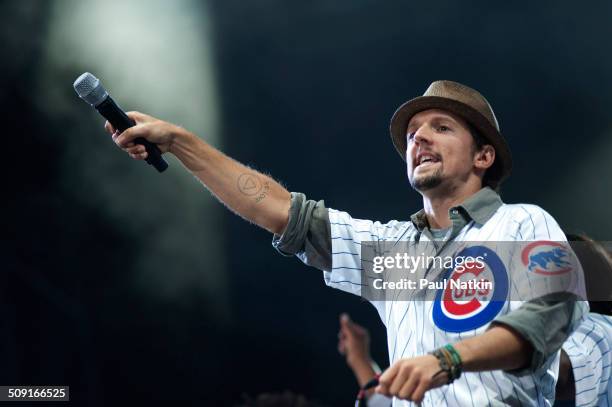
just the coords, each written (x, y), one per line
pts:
(412, 328)
(590, 350)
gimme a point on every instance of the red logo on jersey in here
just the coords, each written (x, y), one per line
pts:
(460, 309)
(464, 300)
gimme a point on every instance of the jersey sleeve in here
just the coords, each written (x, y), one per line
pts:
(589, 349)
(544, 261)
(331, 240)
(307, 234)
(347, 235)
(543, 316)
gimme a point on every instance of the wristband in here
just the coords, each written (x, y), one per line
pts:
(450, 362)
(455, 355)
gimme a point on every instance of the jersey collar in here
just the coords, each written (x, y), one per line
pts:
(479, 207)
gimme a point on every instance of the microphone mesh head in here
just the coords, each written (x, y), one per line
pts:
(89, 88)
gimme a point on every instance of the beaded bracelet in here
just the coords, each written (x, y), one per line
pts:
(450, 362)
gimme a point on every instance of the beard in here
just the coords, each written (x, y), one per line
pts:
(429, 181)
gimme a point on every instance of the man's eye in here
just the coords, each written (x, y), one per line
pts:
(443, 128)
(410, 135)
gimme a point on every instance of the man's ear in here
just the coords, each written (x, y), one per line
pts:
(483, 158)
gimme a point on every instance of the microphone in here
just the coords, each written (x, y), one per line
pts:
(89, 88)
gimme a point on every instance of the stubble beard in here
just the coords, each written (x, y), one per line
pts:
(427, 182)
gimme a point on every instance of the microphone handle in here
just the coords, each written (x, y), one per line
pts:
(117, 117)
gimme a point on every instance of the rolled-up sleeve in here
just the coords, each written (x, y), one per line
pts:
(307, 234)
(545, 323)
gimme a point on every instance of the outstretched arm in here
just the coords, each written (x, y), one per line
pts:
(252, 195)
(500, 347)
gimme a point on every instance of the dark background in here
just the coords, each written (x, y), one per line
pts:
(304, 91)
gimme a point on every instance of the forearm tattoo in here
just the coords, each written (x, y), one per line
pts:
(253, 186)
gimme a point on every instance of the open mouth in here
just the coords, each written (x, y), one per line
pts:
(425, 160)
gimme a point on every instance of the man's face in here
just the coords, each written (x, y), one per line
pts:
(439, 149)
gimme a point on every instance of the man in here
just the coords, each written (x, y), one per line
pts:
(585, 370)
(586, 356)
(456, 158)
(585, 367)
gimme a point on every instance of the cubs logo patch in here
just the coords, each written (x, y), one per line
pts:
(546, 257)
(473, 294)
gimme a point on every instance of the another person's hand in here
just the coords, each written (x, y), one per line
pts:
(154, 130)
(410, 378)
(353, 342)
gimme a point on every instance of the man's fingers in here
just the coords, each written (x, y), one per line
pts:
(109, 127)
(136, 149)
(122, 144)
(351, 328)
(126, 139)
(389, 374)
(419, 392)
(139, 156)
(386, 379)
(405, 392)
(403, 376)
(138, 117)
(345, 324)
(382, 389)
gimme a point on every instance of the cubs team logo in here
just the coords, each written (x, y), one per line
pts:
(547, 258)
(474, 293)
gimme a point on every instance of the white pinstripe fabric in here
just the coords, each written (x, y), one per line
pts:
(590, 351)
(410, 328)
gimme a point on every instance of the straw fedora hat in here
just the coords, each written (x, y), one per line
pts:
(466, 103)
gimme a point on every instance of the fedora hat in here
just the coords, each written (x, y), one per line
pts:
(468, 104)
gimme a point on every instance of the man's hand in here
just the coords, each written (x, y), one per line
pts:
(409, 379)
(353, 342)
(154, 130)
(500, 347)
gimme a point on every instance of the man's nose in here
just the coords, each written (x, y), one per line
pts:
(422, 135)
